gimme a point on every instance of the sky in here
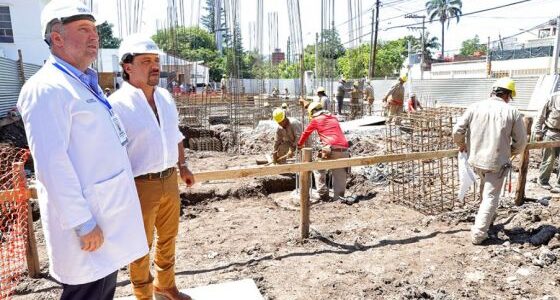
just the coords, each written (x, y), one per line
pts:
(505, 21)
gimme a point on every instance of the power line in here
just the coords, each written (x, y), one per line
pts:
(462, 15)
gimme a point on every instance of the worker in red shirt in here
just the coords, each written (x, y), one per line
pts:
(334, 145)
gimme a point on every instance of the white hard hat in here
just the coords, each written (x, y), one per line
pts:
(412, 94)
(138, 44)
(63, 9)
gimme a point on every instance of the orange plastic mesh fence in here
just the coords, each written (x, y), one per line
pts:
(13, 218)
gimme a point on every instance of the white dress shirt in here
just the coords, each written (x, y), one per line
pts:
(152, 146)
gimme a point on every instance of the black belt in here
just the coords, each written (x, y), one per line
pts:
(158, 175)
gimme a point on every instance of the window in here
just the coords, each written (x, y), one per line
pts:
(6, 32)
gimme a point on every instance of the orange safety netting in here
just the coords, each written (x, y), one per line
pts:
(13, 218)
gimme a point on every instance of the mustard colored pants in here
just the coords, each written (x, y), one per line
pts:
(160, 203)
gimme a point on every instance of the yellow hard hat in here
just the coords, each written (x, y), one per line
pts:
(278, 115)
(320, 89)
(284, 105)
(505, 83)
(312, 107)
(403, 77)
(356, 84)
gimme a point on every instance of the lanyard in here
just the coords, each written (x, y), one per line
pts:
(101, 99)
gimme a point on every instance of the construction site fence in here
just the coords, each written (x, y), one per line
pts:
(14, 219)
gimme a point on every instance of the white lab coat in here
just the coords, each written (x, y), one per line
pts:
(82, 172)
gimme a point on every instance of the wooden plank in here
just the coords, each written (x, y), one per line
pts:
(320, 165)
(304, 183)
(522, 179)
(541, 145)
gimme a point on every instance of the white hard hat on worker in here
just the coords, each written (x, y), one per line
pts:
(64, 11)
(137, 44)
(144, 70)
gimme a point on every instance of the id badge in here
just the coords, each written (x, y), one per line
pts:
(119, 129)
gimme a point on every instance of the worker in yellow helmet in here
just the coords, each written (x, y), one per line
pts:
(394, 98)
(323, 98)
(356, 102)
(287, 135)
(494, 131)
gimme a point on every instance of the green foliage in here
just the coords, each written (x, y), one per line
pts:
(332, 47)
(192, 44)
(390, 57)
(444, 11)
(470, 46)
(355, 62)
(106, 38)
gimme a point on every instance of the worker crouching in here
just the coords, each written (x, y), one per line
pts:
(287, 134)
(334, 146)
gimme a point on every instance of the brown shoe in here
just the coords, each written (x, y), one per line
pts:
(170, 294)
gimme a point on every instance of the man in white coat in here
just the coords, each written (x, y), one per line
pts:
(155, 149)
(89, 206)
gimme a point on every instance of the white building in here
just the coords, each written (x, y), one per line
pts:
(20, 28)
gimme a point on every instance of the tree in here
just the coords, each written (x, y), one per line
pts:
(355, 62)
(470, 46)
(192, 44)
(106, 38)
(444, 11)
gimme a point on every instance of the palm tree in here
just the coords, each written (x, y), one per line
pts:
(444, 10)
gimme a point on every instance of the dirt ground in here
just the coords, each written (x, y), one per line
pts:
(374, 249)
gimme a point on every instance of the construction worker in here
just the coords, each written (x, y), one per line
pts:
(334, 145)
(340, 91)
(275, 92)
(355, 101)
(287, 135)
(394, 97)
(90, 211)
(413, 104)
(155, 150)
(547, 127)
(285, 108)
(323, 98)
(107, 92)
(224, 86)
(494, 131)
(369, 96)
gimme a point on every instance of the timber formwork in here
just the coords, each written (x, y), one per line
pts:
(429, 186)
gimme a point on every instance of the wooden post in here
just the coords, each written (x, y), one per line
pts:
(20, 185)
(522, 179)
(304, 184)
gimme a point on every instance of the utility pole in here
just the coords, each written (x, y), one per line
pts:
(316, 54)
(374, 49)
(371, 57)
(488, 60)
(556, 52)
(422, 41)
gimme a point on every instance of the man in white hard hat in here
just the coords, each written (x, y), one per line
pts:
(323, 98)
(89, 206)
(413, 104)
(156, 151)
(494, 131)
(394, 98)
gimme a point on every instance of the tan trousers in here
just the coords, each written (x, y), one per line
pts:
(338, 178)
(393, 110)
(491, 184)
(159, 200)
